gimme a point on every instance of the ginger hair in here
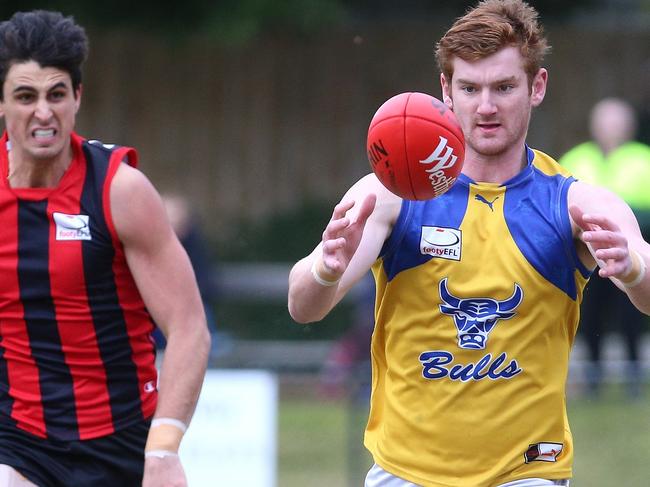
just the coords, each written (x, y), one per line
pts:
(489, 27)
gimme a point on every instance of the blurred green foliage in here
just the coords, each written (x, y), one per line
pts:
(263, 320)
(286, 237)
(230, 21)
(237, 21)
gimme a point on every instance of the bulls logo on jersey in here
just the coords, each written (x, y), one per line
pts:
(476, 317)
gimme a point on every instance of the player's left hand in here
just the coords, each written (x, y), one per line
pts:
(607, 243)
(163, 472)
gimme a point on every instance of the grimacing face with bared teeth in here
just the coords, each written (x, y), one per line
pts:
(39, 107)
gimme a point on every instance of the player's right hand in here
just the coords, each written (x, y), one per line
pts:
(164, 472)
(342, 236)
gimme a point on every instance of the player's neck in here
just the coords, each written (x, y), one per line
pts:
(30, 172)
(497, 168)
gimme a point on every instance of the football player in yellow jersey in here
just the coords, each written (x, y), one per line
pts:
(471, 346)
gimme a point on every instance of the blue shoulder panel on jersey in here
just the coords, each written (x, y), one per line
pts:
(402, 249)
(537, 215)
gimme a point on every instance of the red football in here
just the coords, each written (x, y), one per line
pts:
(415, 146)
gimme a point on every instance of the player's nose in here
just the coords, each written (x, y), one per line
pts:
(43, 110)
(486, 105)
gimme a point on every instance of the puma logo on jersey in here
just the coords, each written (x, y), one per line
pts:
(483, 200)
(71, 227)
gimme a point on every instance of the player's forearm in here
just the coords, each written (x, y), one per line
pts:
(309, 300)
(638, 282)
(182, 372)
(181, 378)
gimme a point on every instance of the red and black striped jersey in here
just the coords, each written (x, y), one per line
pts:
(76, 356)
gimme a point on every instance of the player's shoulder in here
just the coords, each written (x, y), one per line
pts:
(101, 152)
(548, 165)
(592, 196)
(128, 180)
(99, 146)
(136, 206)
(96, 146)
(387, 206)
(371, 184)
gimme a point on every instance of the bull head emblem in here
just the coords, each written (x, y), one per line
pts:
(475, 317)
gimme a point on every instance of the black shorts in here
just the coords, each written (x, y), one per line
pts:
(114, 460)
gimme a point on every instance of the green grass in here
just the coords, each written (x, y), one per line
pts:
(612, 440)
(320, 441)
(312, 444)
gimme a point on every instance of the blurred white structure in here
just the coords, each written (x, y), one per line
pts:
(232, 439)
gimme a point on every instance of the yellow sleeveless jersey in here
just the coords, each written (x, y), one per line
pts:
(478, 295)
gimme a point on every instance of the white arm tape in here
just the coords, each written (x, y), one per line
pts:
(170, 421)
(160, 453)
(642, 270)
(317, 277)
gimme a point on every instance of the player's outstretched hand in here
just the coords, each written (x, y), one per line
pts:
(342, 236)
(608, 244)
(163, 472)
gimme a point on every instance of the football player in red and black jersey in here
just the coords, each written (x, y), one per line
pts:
(88, 263)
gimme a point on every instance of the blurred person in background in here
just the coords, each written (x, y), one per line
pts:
(188, 230)
(88, 261)
(346, 371)
(470, 355)
(615, 160)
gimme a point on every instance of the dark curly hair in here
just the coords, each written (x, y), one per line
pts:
(46, 37)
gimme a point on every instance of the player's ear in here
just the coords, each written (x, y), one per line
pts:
(446, 91)
(538, 87)
(77, 98)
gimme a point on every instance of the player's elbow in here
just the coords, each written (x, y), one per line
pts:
(298, 315)
(206, 339)
(303, 314)
(198, 337)
(307, 302)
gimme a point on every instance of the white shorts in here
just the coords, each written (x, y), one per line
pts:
(378, 477)
(9, 477)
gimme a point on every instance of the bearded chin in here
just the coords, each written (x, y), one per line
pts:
(489, 147)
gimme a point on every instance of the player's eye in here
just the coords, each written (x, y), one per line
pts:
(24, 97)
(468, 89)
(57, 95)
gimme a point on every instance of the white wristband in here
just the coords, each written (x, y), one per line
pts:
(170, 421)
(319, 279)
(160, 453)
(642, 270)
